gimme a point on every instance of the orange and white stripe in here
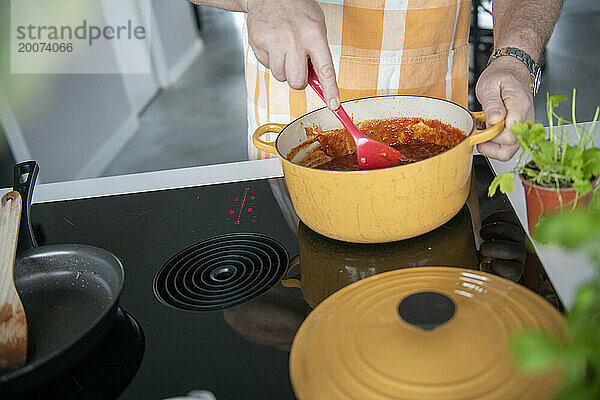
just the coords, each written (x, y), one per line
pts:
(379, 47)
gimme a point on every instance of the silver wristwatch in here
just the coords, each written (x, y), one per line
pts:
(534, 69)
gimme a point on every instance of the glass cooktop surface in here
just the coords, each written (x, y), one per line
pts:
(219, 278)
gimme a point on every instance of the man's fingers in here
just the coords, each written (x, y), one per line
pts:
(519, 108)
(503, 90)
(323, 64)
(491, 101)
(296, 69)
(262, 56)
(493, 106)
(290, 32)
(277, 66)
(498, 151)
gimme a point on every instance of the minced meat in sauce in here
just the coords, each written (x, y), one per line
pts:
(416, 138)
(414, 151)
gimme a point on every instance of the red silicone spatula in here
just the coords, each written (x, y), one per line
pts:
(371, 153)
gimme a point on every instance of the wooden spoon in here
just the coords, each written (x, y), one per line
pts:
(13, 324)
(371, 154)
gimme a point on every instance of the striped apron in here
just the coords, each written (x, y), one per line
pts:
(379, 47)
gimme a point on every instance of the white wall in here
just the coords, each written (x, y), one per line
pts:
(74, 125)
(63, 119)
(178, 43)
(176, 28)
(66, 119)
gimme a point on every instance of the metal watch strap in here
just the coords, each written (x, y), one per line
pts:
(534, 69)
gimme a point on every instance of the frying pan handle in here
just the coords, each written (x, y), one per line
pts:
(25, 175)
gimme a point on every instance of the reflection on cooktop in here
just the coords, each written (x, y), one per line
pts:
(327, 265)
(269, 320)
(106, 372)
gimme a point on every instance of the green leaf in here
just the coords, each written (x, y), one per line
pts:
(591, 168)
(535, 351)
(591, 162)
(595, 202)
(555, 100)
(582, 320)
(494, 186)
(537, 133)
(546, 152)
(520, 128)
(503, 181)
(507, 183)
(591, 154)
(573, 153)
(571, 230)
(582, 187)
(574, 385)
(587, 297)
(529, 172)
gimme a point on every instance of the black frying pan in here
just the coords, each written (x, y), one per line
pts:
(70, 294)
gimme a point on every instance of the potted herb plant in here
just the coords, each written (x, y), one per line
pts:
(557, 171)
(579, 357)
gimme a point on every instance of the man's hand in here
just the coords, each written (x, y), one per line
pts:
(284, 34)
(504, 91)
(504, 87)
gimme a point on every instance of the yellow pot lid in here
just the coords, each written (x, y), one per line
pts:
(363, 342)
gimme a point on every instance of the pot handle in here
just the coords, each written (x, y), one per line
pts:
(25, 175)
(483, 135)
(260, 144)
(292, 282)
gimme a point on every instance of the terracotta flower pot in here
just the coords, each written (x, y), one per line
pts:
(541, 200)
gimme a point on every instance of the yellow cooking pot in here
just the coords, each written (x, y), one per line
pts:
(382, 205)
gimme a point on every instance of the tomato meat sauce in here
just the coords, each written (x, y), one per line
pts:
(416, 138)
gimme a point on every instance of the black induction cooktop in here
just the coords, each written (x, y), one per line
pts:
(219, 278)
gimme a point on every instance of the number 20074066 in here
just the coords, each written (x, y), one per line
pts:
(45, 47)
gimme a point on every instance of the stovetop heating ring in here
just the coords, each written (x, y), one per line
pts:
(221, 272)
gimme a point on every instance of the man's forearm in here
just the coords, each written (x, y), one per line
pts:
(525, 24)
(229, 5)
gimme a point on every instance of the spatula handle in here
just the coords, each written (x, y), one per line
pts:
(313, 82)
(13, 327)
(25, 175)
(10, 213)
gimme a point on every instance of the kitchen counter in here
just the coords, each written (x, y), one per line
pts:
(566, 270)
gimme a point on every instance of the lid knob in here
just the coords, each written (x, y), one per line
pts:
(427, 310)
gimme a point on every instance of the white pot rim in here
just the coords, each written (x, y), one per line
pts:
(427, 98)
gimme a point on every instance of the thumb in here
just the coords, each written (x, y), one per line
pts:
(491, 101)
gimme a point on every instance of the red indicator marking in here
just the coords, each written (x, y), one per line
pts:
(245, 205)
(243, 201)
